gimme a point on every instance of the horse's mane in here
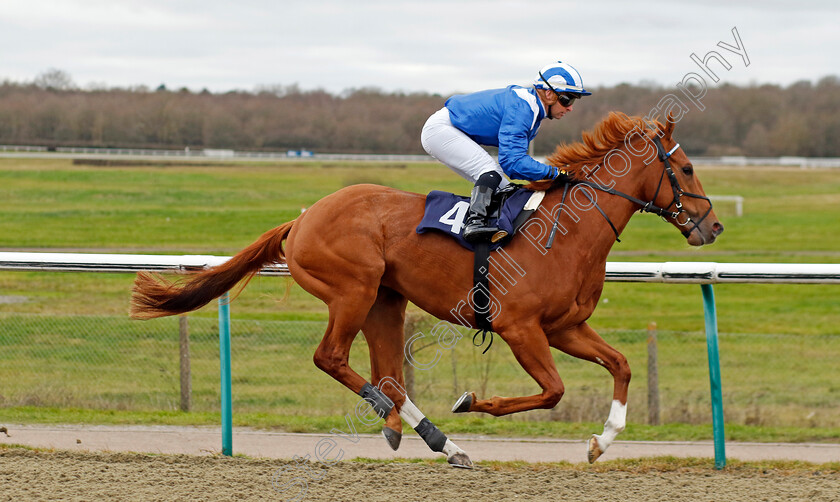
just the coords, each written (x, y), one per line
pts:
(609, 134)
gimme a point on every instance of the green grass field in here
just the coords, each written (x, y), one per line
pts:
(779, 343)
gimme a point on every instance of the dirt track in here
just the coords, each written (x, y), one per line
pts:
(32, 475)
(255, 443)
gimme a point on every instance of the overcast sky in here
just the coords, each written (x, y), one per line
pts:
(423, 45)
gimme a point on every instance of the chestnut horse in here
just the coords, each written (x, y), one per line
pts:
(357, 250)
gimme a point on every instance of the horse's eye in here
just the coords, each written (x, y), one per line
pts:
(688, 170)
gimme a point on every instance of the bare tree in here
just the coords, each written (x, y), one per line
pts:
(55, 79)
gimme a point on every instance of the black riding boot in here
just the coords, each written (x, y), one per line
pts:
(478, 228)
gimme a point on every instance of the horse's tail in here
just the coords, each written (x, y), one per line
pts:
(153, 296)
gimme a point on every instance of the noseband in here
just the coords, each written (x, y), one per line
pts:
(680, 216)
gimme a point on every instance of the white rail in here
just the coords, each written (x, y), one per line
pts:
(737, 199)
(723, 273)
(667, 272)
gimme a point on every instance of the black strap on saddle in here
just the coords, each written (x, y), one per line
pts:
(481, 301)
(481, 271)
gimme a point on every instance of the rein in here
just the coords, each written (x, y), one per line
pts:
(646, 207)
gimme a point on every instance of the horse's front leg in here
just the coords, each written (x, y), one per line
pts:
(584, 343)
(531, 349)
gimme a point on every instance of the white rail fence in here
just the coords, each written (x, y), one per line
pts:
(737, 199)
(667, 272)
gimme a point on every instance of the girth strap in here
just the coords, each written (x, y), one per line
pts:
(481, 271)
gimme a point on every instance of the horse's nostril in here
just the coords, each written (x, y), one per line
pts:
(717, 229)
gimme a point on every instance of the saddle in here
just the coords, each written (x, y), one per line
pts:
(510, 209)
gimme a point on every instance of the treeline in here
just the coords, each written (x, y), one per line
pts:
(802, 119)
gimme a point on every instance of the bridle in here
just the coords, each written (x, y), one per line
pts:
(680, 216)
(678, 192)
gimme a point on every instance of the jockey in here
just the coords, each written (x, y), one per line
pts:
(508, 118)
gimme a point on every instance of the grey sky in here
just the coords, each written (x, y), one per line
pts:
(424, 45)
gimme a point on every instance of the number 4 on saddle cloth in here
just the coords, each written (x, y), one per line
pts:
(447, 212)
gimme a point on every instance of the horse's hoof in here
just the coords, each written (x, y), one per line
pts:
(393, 437)
(463, 404)
(460, 460)
(594, 449)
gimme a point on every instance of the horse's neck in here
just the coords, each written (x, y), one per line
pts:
(580, 219)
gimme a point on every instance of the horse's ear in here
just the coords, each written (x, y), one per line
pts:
(670, 121)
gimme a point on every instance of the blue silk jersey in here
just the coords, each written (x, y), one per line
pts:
(508, 118)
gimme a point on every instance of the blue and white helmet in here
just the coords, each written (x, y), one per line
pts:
(562, 77)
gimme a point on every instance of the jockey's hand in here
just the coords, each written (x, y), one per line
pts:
(559, 175)
(563, 176)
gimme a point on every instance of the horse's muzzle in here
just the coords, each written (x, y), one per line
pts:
(704, 234)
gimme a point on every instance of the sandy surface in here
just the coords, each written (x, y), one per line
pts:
(184, 463)
(258, 443)
(63, 475)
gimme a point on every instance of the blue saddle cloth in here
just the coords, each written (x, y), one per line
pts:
(446, 212)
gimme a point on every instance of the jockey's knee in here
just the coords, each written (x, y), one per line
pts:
(490, 179)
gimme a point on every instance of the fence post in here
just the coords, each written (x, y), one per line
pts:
(186, 379)
(455, 386)
(653, 375)
(714, 374)
(224, 367)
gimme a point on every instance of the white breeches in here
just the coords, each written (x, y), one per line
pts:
(456, 150)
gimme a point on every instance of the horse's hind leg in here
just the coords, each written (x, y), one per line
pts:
(333, 353)
(584, 343)
(347, 281)
(383, 330)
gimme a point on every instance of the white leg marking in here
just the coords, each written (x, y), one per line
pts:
(614, 424)
(410, 413)
(451, 448)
